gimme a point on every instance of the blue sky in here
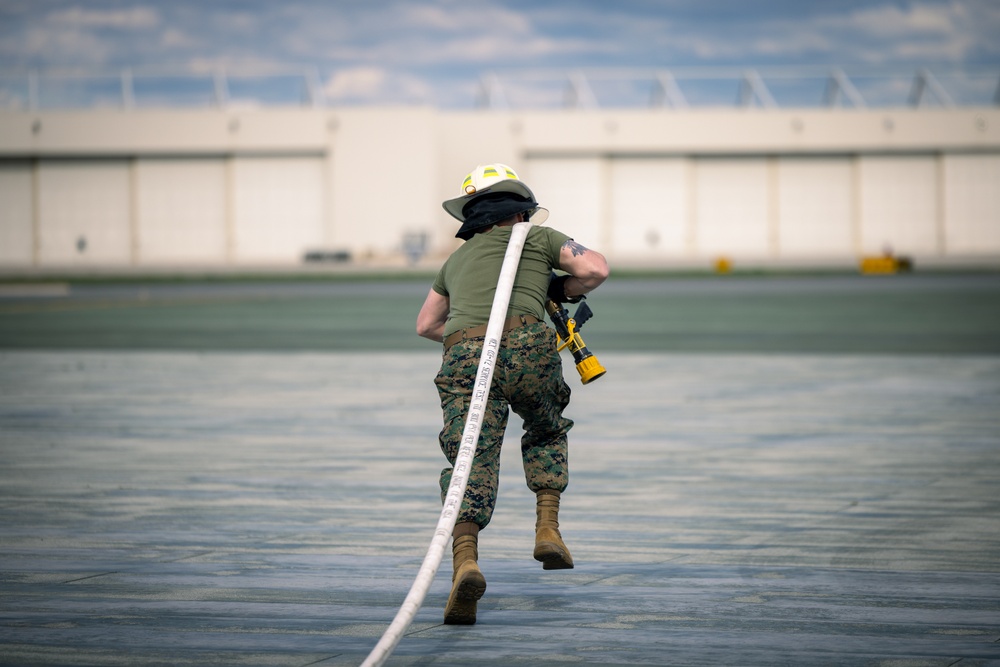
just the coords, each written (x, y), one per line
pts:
(436, 51)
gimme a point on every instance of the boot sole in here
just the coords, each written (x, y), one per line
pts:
(461, 609)
(553, 557)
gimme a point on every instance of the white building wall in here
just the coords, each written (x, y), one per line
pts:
(815, 208)
(732, 208)
(650, 208)
(574, 191)
(181, 211)
(972, 204)
(385, 180)
(277, 208)
(95, 189)
(898, 199)
(16, 210)
(84, 213)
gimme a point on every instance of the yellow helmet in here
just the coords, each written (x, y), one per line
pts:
(487, 181)
(485, 175)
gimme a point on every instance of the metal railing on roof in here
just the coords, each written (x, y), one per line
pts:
(743, 88)
(675, 88)
(130, 88)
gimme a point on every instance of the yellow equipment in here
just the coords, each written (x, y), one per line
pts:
(885, 264)
(568, 329)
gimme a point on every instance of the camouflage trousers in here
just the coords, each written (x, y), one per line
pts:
(527, 378)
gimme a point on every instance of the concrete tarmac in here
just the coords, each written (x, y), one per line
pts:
(268, 508)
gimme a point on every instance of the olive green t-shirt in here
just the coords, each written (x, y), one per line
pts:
(469, 277)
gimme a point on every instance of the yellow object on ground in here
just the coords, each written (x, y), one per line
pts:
(885, 264)
(723, 265)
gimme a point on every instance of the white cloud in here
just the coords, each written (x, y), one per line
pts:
(62, 46)
(465, 18)
(375, 84)
(913, 33)
(75, 36)
(492, 51)
(921, 32)
(176, 39)
(363, 81)
(932, 52)
(894, 21)
(261, 65)
(132, 18)
(428, 16)
(401, 50)
(801, 42)
(408, 35)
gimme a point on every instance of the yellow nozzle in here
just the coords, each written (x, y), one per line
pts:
(590, 369)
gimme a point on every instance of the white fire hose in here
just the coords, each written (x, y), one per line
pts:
(463, 462)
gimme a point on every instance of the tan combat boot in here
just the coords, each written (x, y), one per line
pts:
(467, 581)
(549, 547)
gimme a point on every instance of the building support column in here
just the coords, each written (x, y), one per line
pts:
(135, 243)
(856, 221)
(773, 207)
(230, 210)
(691, 192)
(36, 214)
(940, 208)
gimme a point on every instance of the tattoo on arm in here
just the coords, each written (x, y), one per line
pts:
(576, 248)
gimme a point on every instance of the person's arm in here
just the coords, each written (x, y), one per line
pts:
(587, 268)
(432, 317)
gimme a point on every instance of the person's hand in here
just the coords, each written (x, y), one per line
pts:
(557, 290)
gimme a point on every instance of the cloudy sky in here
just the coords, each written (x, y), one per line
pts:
(437, 51)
